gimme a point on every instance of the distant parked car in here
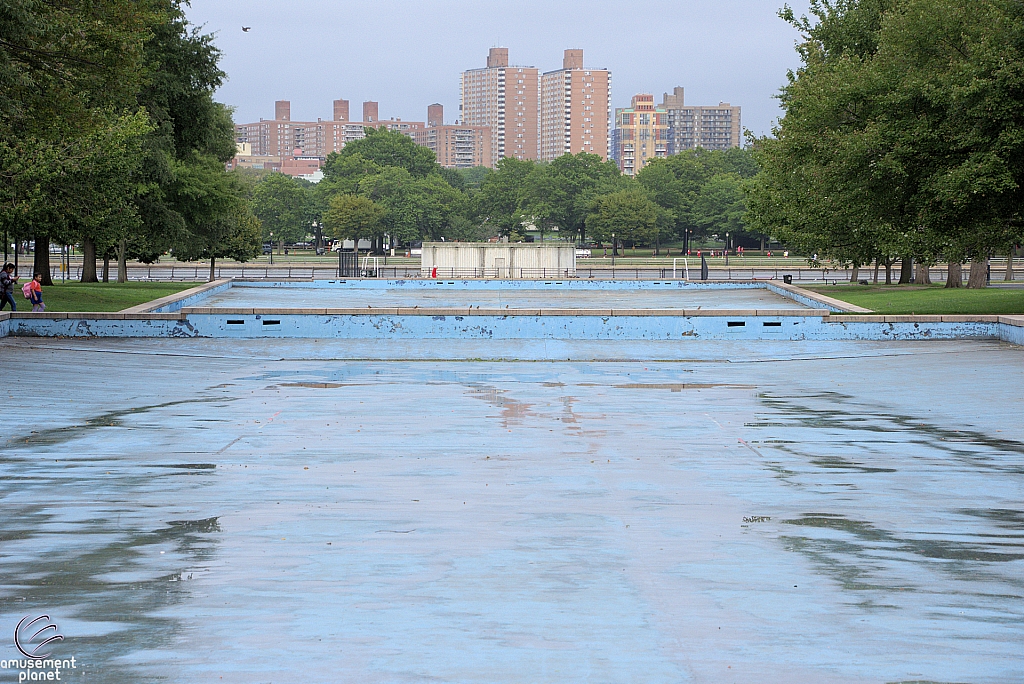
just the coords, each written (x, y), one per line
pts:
(267, 248)
(582, 252)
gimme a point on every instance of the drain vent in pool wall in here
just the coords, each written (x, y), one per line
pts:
(268, 322)
(736, 324)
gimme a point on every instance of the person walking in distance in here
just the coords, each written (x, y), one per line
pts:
(35, 293)
(7, 281)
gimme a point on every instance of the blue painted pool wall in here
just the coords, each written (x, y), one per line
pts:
(800, 299)
(482, 284)
(5, 324)
(78, 327)
(1012, 333)
(192, 300)
(385, 327)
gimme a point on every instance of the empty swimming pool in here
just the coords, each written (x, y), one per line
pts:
(498, 295)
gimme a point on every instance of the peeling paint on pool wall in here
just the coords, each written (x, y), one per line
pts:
(468, 309)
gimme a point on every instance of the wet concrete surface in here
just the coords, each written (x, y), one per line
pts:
(268, 511)
(499, 297)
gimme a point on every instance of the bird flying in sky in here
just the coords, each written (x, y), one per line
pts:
(245, 29)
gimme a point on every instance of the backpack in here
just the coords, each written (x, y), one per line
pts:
(26, 290)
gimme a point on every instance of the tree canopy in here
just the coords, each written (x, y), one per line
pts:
(901, 135)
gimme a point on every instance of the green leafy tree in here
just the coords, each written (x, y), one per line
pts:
(680, 186)
(280, 203)
(560, 193)
(342, 173)
(901, 134)
(353, 217)
(68, 75)
(474, 177)
(218, 221)
(628, 214)
(181, 74)
(503, 195)
(394, 149)
(720, 206)
(416, 207)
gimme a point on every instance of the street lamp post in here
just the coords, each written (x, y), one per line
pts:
(271, 248)
(726, 249)
(613, 250)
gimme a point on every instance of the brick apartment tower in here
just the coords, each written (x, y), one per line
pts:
(282, 110)
(455, 146)
(341, 110)
(504, 99)
(370, 113)
(435, 115)
(574, 109)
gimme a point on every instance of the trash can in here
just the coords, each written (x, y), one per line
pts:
(788, 279)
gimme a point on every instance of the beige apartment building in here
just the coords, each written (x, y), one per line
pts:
(709, 127)
(456, 147)
(503, 99)
(641, 134)
(575, 109)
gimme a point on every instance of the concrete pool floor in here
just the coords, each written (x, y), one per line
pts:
(241, 295)
(268, 511)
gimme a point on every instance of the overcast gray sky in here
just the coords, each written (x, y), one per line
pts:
(408, 54)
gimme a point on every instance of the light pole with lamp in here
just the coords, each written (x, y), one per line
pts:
(613, 250)
(271, 248)
(726, 249)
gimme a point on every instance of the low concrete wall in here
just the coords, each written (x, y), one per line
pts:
(813, 299)
(175, 302)
(568, 324)
(480, 284)
(1012, 329)
(5, 323)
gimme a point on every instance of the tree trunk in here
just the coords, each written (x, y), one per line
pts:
(855, 273)
(280, 245)
(906, 270)
(1009, 264)
(923, 274)
(888, 271)
(122, 262)
(955, 276)
(106, 268)
(978, 278)
(213, 262)
(89, 262)
(42, 258)
(875, 281)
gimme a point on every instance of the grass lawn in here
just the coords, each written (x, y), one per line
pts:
(934, 299)
(76, 296)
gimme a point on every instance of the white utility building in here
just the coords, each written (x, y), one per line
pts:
(505, 260)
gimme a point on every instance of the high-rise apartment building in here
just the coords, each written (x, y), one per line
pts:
(690, 127)
(641, 134)
(284, 138)
(456, 147)
(504, 99)
(575, 108)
